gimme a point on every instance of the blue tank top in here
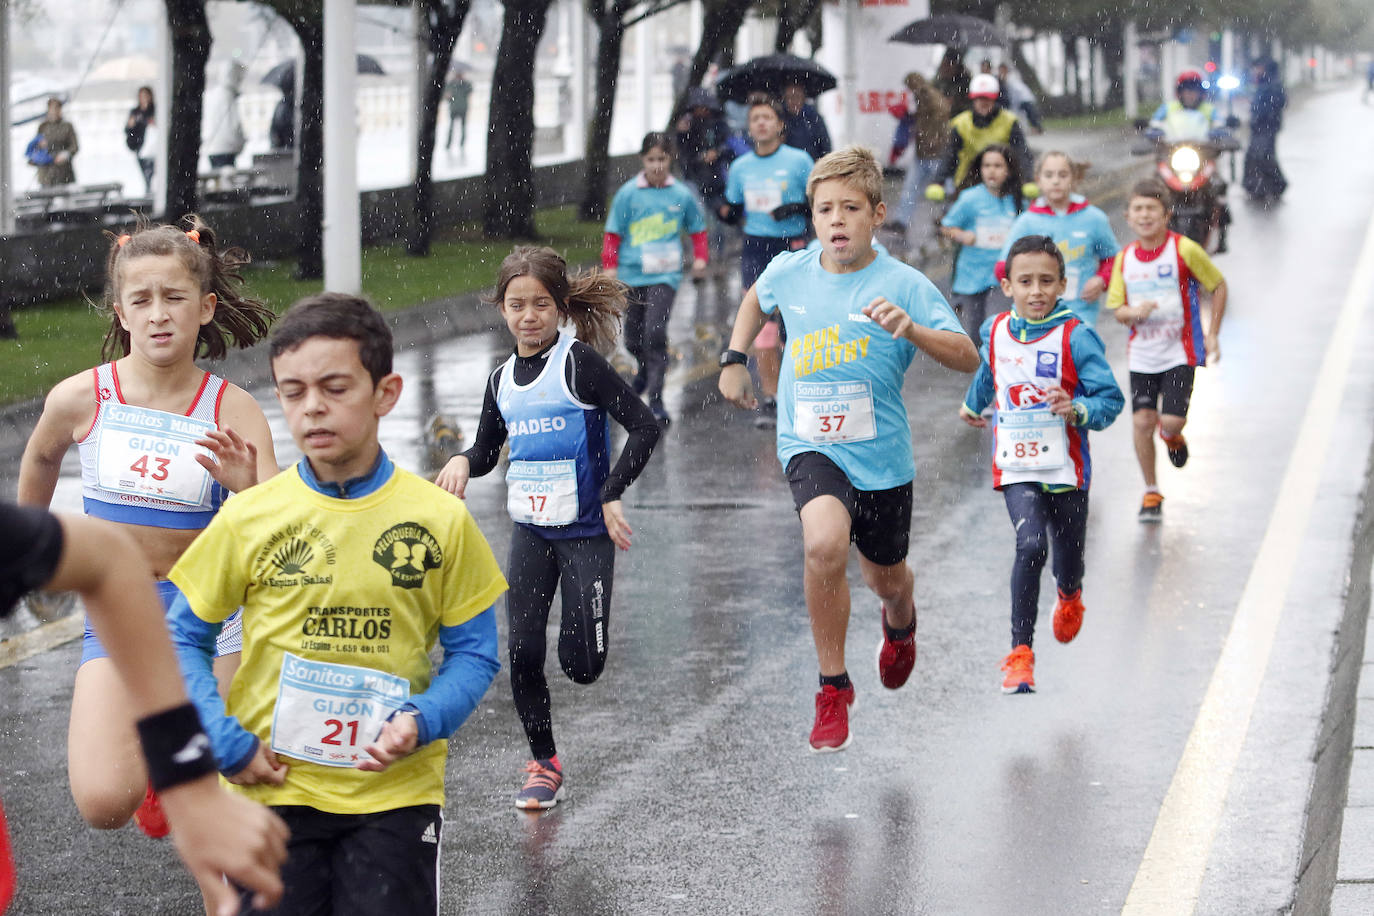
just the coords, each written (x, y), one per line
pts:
(559, 450)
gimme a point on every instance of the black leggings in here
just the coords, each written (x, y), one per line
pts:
(646, 335)
(582, 568)
(1042, 518)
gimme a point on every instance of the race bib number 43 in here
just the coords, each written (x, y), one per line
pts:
(834, 412)
(329, 713)
(152, 453)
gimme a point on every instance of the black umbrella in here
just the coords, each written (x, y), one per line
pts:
(698, 97)
(283, 75)
(770, 74)
(953, 30)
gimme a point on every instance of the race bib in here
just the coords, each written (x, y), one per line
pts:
(328, 713)
(834, 412)
(663, 257)
(762, 199)
(152, 453)
(1030, 440)
(542, 492)
(991, 232)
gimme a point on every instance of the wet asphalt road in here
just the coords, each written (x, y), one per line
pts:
(690, 787)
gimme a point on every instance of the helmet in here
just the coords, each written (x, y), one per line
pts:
(1189, 79)
(984, 86)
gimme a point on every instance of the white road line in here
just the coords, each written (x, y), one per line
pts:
(1171, 872)
(40, 639)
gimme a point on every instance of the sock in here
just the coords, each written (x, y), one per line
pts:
(556, 765)
(838, 681)
(1068, 595)
(895, 635)
(1152, 489)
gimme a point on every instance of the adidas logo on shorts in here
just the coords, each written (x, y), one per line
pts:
(430, 835)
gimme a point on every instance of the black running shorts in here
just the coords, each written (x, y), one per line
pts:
(880, 519)
(1168, 391)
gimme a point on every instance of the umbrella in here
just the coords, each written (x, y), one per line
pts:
(283, 75)
(770, 74)
(698, 97)
(952, 30)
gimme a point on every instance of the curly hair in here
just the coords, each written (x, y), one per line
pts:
(592, 301)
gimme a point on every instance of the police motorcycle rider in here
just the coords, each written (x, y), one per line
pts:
(1190, 118)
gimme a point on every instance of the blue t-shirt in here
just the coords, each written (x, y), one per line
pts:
(1084, 236)
(650, 222)
(989, 217)
(840, 390)
(763, 183)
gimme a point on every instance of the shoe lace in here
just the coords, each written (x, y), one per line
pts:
(831, 702)
(1019, 660)
(541, 775)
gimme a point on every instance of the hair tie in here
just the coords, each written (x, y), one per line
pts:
(122, 240)
(194, 235)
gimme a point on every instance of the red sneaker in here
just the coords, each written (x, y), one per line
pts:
(1020, 669)
(896, 657)
(149, 816)
(1068, 616)
(831, 731)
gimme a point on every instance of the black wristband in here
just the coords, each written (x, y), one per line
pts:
(175, 746)
(733, 358)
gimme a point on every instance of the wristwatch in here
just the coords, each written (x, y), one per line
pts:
(733, 358)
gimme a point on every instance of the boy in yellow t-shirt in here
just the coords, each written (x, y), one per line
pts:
(349, 570)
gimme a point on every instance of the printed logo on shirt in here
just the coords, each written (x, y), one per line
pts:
(295, 555)
(407, 551)
(652, 228)
(1164, 270)
(1027, 396)
(860, 317)
(105, 394)
(797, 309)
(1046, 364)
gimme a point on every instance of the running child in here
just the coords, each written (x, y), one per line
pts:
(855, 319)
(145, 423)
(1155, 289)
(1081, 231)
(215, 833)
(989, 202)
(768, 188)
(643, 243)
(551, 400)
(1047, 373)
(350, 572)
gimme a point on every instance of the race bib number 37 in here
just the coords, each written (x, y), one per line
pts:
(152, 453)
(329, 713)
(834, 412)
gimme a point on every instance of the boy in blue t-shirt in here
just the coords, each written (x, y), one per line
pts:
(855, 318)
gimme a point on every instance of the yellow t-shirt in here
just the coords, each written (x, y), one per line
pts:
(361, 582)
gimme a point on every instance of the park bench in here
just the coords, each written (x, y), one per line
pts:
(70, 203)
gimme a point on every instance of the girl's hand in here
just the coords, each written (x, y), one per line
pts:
(889, 317)
(398, 738)
(971, 418)
(736, 386)
(454, 476)
(1092, 289)
(698, 268)
(616, 526)
(263, 769)
(235, 465)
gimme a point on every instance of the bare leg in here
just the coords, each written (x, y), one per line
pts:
(1143, 423)
(825, 537)
(894, 586)
(104, 759)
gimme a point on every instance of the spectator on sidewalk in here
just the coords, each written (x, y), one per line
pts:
(458, 92)
(952, 79)
(53, 148)
(1263, 179)
(140, 135)
(1017, 98)
(221, 130)
(803, 126)
(972, 131)
(924, 126)
(702, 139)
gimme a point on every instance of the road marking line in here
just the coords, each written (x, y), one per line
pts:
(1171, 872)
(40, 639)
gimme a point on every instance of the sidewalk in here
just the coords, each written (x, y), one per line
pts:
(1353, 894)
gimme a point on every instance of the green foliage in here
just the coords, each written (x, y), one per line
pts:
(59, 339)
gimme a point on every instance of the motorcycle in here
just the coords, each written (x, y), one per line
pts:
(1197, 189)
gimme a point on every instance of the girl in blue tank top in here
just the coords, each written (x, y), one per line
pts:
(552, 400)
(161, 440)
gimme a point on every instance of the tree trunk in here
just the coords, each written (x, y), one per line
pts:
(190, 32)
(793, 15)
(1028, 74)
(1113, 43)
(310, 150)
(508, 200)
(720, 26)
(598, 154)
(444, 28)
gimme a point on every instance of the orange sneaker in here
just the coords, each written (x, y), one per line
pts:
(149, 816)
(1152, 507)
(1068, 616)
(1020, 669)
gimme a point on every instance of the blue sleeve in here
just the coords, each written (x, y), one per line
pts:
(696, 221)
(981, 391)
(464, 675)
(194, 640)
(618, 220)
(960, 212)
(1105, 239)
(803, 172)
(1097, 390)
(734, 184)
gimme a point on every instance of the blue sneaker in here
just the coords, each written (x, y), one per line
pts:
(543, 787)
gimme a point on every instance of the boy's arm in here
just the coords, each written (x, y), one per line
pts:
(1202, 267)
(951, 349)
(981, 391)
(1097, 398)
(734, 381)
(194, 640)
(1211, 340)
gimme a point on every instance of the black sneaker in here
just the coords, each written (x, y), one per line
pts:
(1152, 507)
(1178, 450)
